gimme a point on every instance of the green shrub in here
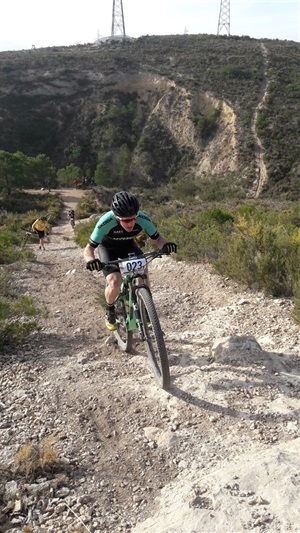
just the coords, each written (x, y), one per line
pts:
(263, 256)
(17, 313)
(184, 189)
(13, 333)
(207, 124)
(83, 232)
(87, 205)
(199, 236)
(212, 217)
(4, 309)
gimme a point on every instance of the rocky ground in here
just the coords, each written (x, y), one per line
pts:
(218, 452)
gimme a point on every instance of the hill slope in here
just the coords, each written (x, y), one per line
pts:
(160, 109)
(218, 453)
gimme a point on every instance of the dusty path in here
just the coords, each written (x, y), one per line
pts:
(218, 453)
(70, 197)
(262, 174)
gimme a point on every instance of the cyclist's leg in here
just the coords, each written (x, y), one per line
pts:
(41, 235)
(112, 289)
(113, 283)
(42, 239)
(112, 274)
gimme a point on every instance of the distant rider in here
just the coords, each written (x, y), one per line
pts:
(71, 217)
(114, 234)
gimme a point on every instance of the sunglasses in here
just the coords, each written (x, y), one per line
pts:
(126, 220)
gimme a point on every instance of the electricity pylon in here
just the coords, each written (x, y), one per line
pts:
(118, 24)
(224, 17)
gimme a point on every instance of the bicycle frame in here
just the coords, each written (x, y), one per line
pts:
(129, 289)
(135, 311)
(128, 292)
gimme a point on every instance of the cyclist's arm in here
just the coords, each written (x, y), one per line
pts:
(159, 242)
(102, 227)
(89, 253)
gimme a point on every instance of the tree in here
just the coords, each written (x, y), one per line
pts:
(41, 170)
(67, 175)
(73, 153)
(12, 170)
(103, 175)
(123, 161)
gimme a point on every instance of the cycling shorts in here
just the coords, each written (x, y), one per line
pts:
(121, 251)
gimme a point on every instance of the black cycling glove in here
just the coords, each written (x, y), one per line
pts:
(94, 264)
(169, 248)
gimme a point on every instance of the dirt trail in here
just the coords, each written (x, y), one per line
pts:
(262, 175)
(218, 453)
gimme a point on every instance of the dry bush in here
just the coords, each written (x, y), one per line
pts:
(33, 458)
(78, 528)
(28, 528)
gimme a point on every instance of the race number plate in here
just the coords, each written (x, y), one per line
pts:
(131, 265)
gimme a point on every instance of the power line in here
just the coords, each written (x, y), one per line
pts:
(224, 17)
(118, 24)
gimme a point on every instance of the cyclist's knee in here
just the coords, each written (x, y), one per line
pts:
(113, 281)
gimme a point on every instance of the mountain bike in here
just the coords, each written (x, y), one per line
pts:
(72, 220)
(135, 312)
(27, 237)
(32, 237)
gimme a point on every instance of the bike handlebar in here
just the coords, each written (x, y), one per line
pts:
(98, 265)
(149, 256)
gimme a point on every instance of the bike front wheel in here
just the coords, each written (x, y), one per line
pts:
(123, 337)
(154, 339)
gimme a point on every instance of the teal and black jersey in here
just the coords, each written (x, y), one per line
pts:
(109, 232)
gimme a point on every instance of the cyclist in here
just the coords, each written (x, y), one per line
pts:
(41, 226)
(71, 216)
(114, 234)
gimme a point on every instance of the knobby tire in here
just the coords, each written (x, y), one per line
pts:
(123, 337)
(154, 341)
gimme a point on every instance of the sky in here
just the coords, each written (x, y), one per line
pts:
(25, 24)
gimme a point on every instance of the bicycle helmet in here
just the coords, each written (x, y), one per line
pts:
(124, 204)
(43, 218)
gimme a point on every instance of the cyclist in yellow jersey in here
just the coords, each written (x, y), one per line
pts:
(40, 226)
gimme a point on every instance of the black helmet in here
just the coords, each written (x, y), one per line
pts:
(124, 204)
(43, 218)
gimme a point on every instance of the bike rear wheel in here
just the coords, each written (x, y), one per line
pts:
(123, 337)
(154, 339)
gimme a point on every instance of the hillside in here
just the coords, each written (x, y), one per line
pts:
(159, 110)
(218, 453)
